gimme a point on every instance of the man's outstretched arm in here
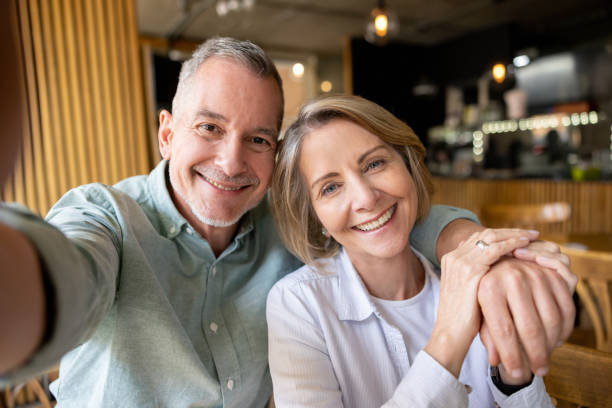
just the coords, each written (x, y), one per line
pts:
(22, 299)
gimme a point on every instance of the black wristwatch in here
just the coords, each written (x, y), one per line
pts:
(507, 389)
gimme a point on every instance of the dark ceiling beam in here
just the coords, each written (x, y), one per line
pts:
(193, 12)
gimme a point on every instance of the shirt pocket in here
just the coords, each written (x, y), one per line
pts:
(251, 309)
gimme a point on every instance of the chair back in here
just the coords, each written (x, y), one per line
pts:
(580, 376)
(524, 215)
(594, 271)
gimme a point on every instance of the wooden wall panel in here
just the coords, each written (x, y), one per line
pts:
(83, 88)
(591, 202)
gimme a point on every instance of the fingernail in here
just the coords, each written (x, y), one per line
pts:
(516, 373)
(533, 232)
(541, 372)
(524, 238)
(521, 251)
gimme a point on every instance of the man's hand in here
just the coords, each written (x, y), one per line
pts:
(527, 308)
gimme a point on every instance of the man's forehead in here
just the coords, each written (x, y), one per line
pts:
(225, 80)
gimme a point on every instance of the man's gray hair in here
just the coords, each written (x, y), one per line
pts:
(245, 52)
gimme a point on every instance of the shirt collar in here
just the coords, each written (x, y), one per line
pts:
(354, 302)
(172, 221)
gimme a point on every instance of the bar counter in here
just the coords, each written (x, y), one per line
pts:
(591, 202)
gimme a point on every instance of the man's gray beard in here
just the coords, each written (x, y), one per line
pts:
(205, 220)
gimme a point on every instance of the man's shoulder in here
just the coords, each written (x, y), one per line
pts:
(311, 277)
(132, 189)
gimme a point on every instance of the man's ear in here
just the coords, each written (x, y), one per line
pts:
(165, 134)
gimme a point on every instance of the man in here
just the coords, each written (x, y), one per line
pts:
(155, 288)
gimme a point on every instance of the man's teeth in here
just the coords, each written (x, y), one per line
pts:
(220, 187)
(372, 225)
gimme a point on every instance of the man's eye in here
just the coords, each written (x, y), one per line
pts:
(207, 127)
(260, 140)
(260, 144)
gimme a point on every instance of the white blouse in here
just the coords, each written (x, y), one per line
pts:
(331, 344)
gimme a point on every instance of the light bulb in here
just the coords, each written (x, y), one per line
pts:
(326, 86)
(381, 24)
(298, 70)
(499, 73)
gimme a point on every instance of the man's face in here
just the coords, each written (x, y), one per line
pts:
(221, 142)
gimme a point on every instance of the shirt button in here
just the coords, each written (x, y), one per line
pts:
(230, 384)
(213, 326)
(190, 230)
(214, 270)
(172, 229)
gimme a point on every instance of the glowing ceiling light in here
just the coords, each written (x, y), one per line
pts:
(521, 61)
(381, 22)
(584, 118)
(298, 70)
(499, 73)
(326, 86)
(381, 25)
(566, 121)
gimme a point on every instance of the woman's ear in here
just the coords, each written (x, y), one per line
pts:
(165, 134)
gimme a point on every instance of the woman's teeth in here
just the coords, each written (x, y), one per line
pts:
(372, 225)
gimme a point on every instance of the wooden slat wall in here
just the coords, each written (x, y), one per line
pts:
(85, 118)
(591, 202)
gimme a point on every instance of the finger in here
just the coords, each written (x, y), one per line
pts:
(487, 341)
(561, 267)
(496, 250)
(536, 248)
(528, 324)
(490, 235)
(565, 305)
(500, 326)
(546, 304)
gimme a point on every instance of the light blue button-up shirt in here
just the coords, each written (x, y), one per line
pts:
(331, 346)
(146, 313)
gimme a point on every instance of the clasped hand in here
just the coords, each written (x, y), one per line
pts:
(517, 292)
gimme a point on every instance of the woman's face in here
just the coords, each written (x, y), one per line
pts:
(360, 189)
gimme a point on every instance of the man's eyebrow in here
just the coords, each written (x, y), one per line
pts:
(214, 115)
(326, 176)
(363, 156)
(210, 114)
(267, 131)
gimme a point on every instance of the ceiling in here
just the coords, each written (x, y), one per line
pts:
(321, 26)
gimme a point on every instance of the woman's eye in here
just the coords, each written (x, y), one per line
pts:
(329, 189)
(374, 164)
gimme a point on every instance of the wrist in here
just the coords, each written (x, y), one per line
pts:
(454, 233)
(447, 350)
(507, 384)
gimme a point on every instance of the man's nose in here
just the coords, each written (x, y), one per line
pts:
(230, 156)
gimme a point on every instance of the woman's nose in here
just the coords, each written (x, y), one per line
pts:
(363, 195)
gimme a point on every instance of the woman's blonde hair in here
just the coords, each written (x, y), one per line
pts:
(297, 222)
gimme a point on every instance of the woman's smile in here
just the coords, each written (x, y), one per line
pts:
(377, 223)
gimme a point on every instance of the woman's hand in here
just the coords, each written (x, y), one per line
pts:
(459, 317)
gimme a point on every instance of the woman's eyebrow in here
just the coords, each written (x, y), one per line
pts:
(363, 156)
(326, 176)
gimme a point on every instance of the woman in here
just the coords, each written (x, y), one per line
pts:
(368, 322)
